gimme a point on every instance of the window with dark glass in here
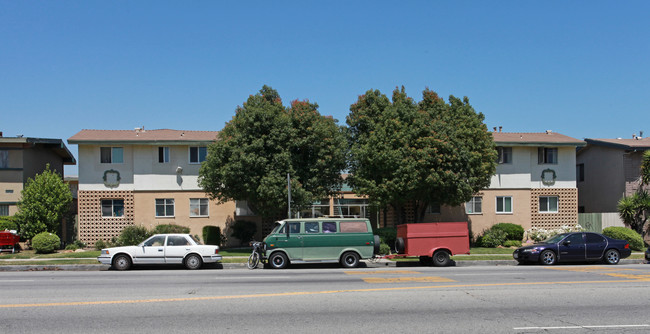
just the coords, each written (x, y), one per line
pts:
(198, 154)
(164, 207)
(163, 154)
(546, 155)
(505, 155)
(112, 208)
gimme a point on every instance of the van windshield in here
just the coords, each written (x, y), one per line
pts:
(277, 227)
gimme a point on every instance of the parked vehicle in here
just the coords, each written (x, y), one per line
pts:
(320, 240)
(574, 247)
(159, 249)
(9, 241)
(647, 255)
(434, 243)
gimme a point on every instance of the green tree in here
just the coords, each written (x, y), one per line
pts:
(634, 209)
(45, 200)
(426, 152)
(262, 143)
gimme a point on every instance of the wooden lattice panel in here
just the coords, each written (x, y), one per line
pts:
(92, 226)
(567, 208)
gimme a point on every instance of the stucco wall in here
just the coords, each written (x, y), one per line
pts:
(604, 182)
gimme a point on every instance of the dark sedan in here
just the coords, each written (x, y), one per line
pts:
(574, 247)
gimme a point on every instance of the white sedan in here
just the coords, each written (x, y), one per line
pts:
(162, 249)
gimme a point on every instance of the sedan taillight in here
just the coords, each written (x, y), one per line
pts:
(216, 251)
(627, 246)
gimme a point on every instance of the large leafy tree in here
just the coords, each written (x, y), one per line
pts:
(45, 201)
(634, 209)
(427, 152)
(262, 143)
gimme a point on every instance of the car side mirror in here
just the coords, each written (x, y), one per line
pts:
(567, 243)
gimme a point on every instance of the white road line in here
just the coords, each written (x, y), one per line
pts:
(254, 276)
(581, 327)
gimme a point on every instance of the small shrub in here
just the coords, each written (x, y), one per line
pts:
(493, 238)
(512, 243)
(513, 231)
(212, 235)
(45, 242)
(99, 244)
(384, 249)
(387, 235)
(8, 223)
(244, 230)
(624, 233)
(132, 235)
(71, 247)
(170, 228)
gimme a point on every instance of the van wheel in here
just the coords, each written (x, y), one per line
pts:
(399, 245)
(441, 258)
(350, 260)
(278, 260)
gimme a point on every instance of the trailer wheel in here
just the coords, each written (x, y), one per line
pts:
(399, 245)
(441, 258)
(377, 241)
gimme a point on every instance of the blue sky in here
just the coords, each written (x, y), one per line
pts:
(581, 68)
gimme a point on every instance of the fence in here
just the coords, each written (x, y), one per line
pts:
(596, 222)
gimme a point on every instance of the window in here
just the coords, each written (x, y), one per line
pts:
(164, 207)
(474, 205)
(242, 209)
(198, 154)
(156, 241)
(318, 209)
(198, 207)
(177, 240)
(505, 155)
(4, 210)
(575, 239)
(294, 227)
(4, 159)
(351, 207)
(580, 172)
(433, 208)
(593, 238)
(311, 227)
(329, 227)
(548, 203)
(546, 155)
(353, 227)
(112, 208)
(163, 155)
(504, 204)
(112, 155)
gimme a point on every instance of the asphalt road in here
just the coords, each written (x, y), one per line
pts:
(487, 299)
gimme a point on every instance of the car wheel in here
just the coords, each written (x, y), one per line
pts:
(612, 256)
(547, 257)
(400, 246)
(441, 258)
(193, 261)
(278, 260)
(122, 262)
(350, 260)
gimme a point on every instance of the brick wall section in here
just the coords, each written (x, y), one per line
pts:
(567, 208)
(92, 226)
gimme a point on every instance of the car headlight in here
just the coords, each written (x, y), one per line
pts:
(104, 251)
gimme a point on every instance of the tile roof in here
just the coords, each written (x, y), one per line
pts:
(536, 138)
(635, 143)
(143, 136)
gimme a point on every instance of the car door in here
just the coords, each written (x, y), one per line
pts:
(572, 248)
(176, 249)
(291, 242)
(152, 251)
(596, 245)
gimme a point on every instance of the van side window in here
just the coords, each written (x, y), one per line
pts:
(311, 227)
(294, 227)
(329, 227)
(353, 227)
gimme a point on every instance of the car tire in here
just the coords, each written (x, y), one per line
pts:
(193, 262)
(441, 258)
(349, 260)
(375, 249)
(400, 246)
(278, 260)
(612, 256)
(548, 258)
(122, 262)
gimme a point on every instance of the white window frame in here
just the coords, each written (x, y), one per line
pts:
(112, 200)
(472, 204)
(198, 154)
(113, 150)
(166, 202)
(547, 204)
(502, 210)
(164, 150)
(199, 201)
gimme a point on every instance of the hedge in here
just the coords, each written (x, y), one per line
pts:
(513, 231)
(624, 233)
(212, 235)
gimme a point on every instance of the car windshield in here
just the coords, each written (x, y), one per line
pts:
(278, 225)
(554, 239)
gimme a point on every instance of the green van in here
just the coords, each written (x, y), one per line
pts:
(320, 240)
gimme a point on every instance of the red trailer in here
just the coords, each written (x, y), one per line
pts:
(434, 243)
(9, 241)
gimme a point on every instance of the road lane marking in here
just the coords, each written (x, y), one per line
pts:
(581, 327)
(645, 278)
(306, 293)
(418, 279)
(383, 272)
